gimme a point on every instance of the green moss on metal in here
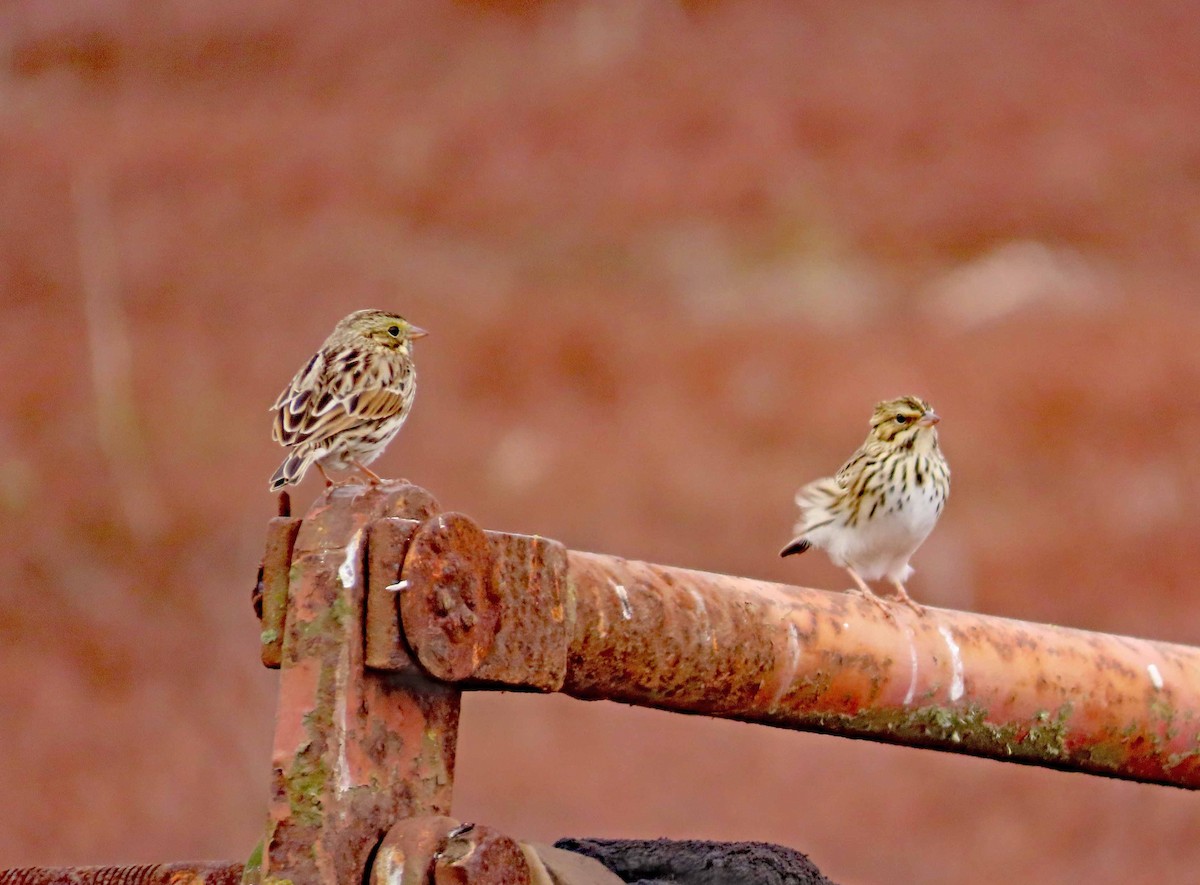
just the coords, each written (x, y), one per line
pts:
(269, 635)
(433, 753)
(1133, 738)
(809, 690)
(252, 871)
(308, 777)
(1043, 739)
(304, 785)
(1161, 709)
(1048, 733)
(1108, 755)
(1176, 759)
(328, 623)
(967, 727)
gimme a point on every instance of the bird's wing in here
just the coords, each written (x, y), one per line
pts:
(330, 395)
(849, 472)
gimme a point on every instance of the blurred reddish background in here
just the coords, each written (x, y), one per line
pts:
(669, 255)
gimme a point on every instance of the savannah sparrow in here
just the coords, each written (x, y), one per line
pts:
(343, 408)
(873, 515)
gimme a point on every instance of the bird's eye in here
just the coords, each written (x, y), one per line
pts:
(394, 331)
(902, 419)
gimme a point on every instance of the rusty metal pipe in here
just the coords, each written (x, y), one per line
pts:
(601, 627)
(142, 874)
(834, 663)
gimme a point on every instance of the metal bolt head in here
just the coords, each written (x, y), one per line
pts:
(449, 609)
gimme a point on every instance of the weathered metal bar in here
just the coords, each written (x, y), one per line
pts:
(830, 662)
(273, 586)
(142, 874)
(601, 627)
(355, 748)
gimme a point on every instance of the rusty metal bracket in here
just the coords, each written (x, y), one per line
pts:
(447, 594)
(272, 587)
(355, 748)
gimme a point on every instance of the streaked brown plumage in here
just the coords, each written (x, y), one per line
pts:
(883, 503)
(349, 400)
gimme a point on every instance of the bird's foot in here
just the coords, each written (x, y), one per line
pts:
(872, 597)
(903, 596)
(372, 477)
(863, 589)
(329, 483)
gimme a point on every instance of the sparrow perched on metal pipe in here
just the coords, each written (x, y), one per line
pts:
(349, 400)
(878, 509)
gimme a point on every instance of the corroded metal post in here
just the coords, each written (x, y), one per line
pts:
(364, 746)
(600, 627)
(356, 749)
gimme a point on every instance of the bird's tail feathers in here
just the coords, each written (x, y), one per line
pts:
(293, 468)
(799, 545)
(815, 501)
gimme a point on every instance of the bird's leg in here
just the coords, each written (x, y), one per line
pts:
(332, 483)
(324, 475)
(372, 477)
(866, 592)
(905, 598)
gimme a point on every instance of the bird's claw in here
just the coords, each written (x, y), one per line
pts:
(902, 596)
(873, 598)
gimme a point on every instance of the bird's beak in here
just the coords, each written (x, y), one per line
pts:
(929, 419)
(416, 331)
